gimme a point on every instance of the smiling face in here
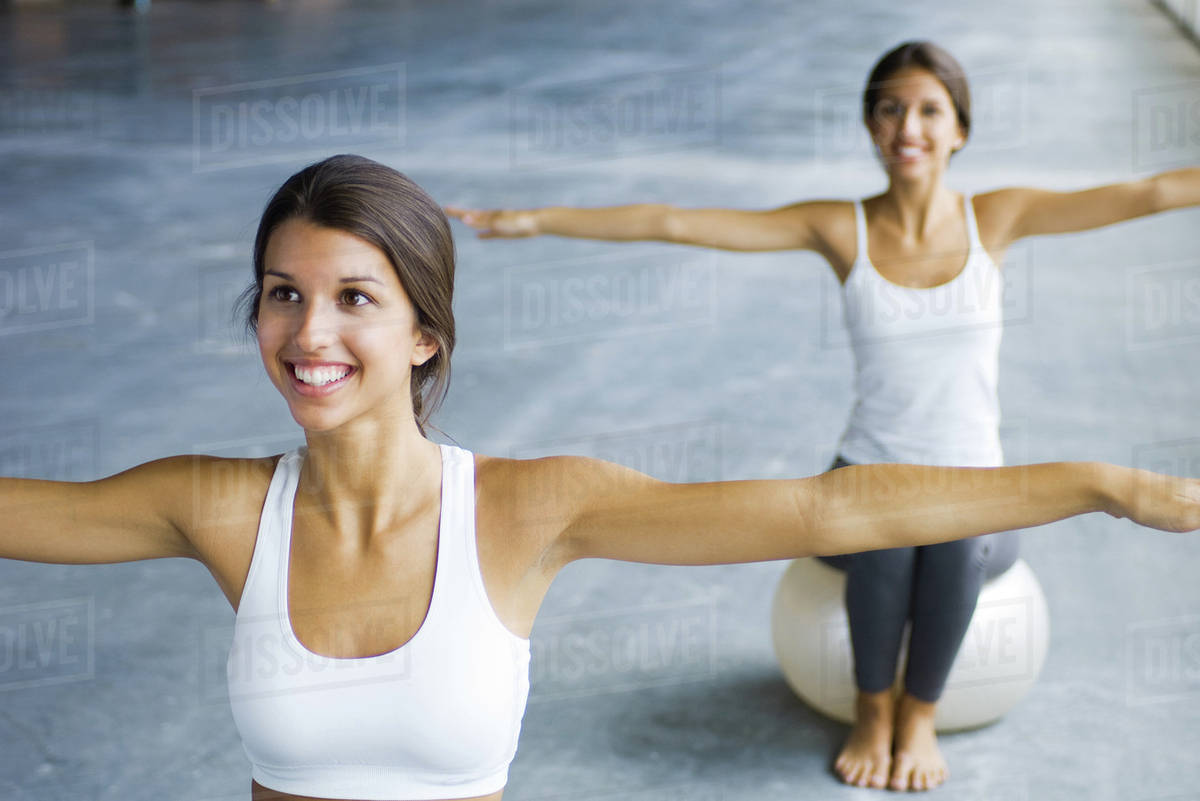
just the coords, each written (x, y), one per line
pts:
(915, 125)
(337, 333)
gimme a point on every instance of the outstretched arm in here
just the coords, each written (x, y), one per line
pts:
(791, 227)
(612, 512)
(1021, 212)
(146, 512)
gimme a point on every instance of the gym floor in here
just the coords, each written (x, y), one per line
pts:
(133, 168)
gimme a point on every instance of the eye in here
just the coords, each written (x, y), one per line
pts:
(931, 110)
(355, 297)
(888, 108)
(283, 293)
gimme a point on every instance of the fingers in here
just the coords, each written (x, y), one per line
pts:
(471, 217)
(481, 221)
(489, 224)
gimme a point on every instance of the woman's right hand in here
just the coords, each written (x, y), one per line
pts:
(1167, 503)
(497, 223)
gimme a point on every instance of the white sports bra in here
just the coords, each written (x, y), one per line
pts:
(926, 361)
(436, 718)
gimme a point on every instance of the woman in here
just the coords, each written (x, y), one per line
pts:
(919, 269)
(385, 586)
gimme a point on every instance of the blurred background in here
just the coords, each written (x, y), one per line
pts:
(138, 146)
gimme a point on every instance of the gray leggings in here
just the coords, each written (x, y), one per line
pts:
(934, 586)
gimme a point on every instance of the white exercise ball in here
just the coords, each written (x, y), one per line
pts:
(1000, 658)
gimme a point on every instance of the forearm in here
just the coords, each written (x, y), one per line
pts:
(1176, 189)
(614, 223)
(868, 507)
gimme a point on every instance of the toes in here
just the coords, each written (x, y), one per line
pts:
(844, 769)
(902, 773)
(879, 777)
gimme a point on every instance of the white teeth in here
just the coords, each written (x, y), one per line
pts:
(320, 376)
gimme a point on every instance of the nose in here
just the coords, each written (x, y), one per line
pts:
(316, 327)
(911, 124)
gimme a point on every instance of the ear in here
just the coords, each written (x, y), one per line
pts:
(962, 141)
(425, 349)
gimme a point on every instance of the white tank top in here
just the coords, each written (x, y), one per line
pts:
(926, 362)
(436, 718)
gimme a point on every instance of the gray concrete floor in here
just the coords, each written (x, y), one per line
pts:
(127, 192)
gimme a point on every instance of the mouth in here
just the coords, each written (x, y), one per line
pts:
(316, 380)
(908, 153)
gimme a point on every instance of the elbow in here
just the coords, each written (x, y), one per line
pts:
(669, 225)
(1157, 197)
(811, 511)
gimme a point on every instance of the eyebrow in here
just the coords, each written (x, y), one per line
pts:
(350, 280)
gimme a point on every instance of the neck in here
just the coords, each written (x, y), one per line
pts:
(370, 475)
(918, 204)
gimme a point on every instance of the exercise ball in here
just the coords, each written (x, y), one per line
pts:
(1000, 658)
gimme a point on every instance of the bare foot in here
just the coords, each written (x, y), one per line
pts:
(866, 757)
(917, 763)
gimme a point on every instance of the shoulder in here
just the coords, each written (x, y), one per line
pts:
(532, 502)
(212, 497)
(822, 214)
(998, 211)
(536, 491)
(834, 231)
(222, 505)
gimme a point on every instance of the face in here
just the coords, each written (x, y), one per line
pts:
(337, 333)
(915, 127)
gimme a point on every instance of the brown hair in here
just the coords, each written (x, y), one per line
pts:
(927, 56)
(385, 208)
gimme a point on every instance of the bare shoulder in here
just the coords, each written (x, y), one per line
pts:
(525, 494)
(225, 495)
(998, 211)
(833, 225)
(218, 507)
(530, 503)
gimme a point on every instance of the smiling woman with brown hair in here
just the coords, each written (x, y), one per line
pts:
(385, 585)
(919, 267)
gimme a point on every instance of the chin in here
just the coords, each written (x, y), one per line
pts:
(314, 422)
(913, 171)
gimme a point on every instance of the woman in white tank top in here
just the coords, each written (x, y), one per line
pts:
(385, 585)
(921, 286)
